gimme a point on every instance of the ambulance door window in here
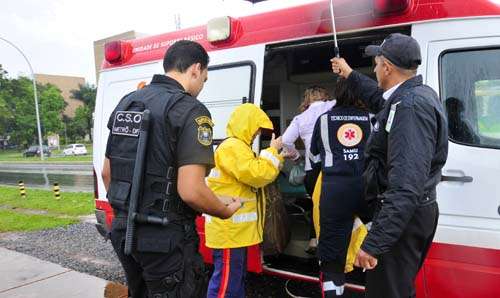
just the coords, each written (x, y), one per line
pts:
(228, 86)
(470, 89)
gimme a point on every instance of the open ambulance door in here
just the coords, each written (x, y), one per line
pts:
(234, 77)
(464, 68)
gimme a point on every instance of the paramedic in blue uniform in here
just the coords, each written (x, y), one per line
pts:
(164, 261)
(338, 141)
(404, 157)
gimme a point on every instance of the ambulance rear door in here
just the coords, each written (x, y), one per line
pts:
(463, 65)
(113, 85)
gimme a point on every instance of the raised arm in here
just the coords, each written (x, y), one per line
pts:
(368, 89)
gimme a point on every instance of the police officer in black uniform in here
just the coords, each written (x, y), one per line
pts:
(164, 261)
(405, 154)
(338, 141)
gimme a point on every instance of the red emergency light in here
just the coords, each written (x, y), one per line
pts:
(388, 7)
(117, 51)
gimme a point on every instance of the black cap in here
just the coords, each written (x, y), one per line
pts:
(402, 50)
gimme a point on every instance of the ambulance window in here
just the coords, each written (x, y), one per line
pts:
(470, 89)
(228, 86)
(228, 82)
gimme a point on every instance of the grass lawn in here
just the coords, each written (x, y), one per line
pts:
(56, 156)
(12, 221)
(40, 210)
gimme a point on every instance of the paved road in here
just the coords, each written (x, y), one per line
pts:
(52, 167)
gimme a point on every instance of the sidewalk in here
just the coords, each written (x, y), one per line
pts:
(23, 276)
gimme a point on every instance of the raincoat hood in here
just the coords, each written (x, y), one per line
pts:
(245, 121)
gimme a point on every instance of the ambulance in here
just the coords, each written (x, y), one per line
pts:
(269, 59)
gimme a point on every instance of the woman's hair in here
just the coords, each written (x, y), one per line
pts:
(345, 95)
(312, 94)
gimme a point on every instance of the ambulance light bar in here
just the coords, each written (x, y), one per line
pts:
(117, 51)
(389, 7)
(219, 29)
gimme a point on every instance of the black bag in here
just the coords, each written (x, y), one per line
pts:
(276, 224)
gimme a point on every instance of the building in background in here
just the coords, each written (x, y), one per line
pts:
(65, 84)
(99, 47)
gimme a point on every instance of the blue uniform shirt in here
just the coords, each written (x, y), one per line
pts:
(338, 141)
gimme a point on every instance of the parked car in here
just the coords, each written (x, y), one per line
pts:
(35, 151)
(75, 149)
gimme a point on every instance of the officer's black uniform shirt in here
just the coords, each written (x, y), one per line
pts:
(186, 118)
(407, 149)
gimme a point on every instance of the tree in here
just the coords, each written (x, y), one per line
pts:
(6, 116)
(52, 105)
(18, 94)
(85, 93)
(23, 129)
(17, 109)
(78, 127)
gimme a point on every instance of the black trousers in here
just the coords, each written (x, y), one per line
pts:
(310, 180)
(176, 273)
(341, 199)
(394, 276)
(309, 183)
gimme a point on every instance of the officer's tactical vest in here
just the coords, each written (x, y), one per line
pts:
(344, 132)
(159, 190)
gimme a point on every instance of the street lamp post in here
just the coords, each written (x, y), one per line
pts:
(35, 93)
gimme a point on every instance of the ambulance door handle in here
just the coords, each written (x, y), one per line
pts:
(463, 179)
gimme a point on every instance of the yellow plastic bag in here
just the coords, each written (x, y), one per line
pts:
(359, 230)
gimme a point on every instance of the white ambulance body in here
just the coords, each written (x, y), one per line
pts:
(270, 58)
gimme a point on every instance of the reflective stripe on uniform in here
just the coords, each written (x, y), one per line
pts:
(326, 141)
(214, 173)
(244, 217)
(208, 218)
(269, 156)
(314, 158)
(330, 286)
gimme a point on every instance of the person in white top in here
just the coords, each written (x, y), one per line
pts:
(316, 102)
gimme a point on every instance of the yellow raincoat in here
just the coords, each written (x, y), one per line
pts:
(359, 230)
(239, 173)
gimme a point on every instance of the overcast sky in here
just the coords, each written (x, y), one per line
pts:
(57, 35)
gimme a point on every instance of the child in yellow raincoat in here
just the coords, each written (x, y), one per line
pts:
(239, 173)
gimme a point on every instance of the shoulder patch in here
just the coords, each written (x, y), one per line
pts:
(204, 120)
(205, 135)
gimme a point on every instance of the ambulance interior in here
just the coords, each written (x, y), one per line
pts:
(289, 69)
